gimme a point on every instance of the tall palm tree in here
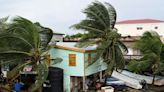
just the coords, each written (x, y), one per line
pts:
(26, 43)
(99, 24)
(150, 46)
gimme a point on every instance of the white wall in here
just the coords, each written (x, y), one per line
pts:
(130, 51)
(57, 38)
(131, 29)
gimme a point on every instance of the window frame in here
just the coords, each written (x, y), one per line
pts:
(72, 60)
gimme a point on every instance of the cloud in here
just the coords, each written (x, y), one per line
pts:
(59, 15)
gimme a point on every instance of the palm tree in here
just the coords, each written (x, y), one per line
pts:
(26, 43)
(99, 24)
(150, 46)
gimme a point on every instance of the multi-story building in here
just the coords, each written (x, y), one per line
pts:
(131, 30)
(138, 27)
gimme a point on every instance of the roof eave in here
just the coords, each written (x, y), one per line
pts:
(72, 49)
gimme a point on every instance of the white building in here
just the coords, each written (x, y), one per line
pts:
(57, 37)
(131, 30)
(138, 27)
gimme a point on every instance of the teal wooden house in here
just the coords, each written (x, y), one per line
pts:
(76, 64)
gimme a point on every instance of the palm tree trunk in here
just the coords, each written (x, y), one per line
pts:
(153, 79)
(113, 51)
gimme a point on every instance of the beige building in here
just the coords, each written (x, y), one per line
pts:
(131, 30)
(138, 27)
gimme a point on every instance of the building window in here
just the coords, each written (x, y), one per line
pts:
(72, 59)
(139, 28)
(89, 58)
(156, 27)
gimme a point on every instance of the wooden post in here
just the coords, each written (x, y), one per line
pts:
(100, 75)
(84, 88)
(76, 84)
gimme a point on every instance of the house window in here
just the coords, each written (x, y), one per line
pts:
(89, 58)
(139, 28)
(72, 59)
(156, 27)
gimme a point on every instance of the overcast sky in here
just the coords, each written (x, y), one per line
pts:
(59, 15)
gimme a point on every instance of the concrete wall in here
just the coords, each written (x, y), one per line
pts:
(70, 70)
(58, 38)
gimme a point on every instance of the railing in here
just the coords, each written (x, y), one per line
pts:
(130, 57)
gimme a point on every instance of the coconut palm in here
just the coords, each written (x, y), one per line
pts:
(99, 24)
(26, 43)
(150, 46)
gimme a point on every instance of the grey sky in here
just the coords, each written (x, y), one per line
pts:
(59, 15)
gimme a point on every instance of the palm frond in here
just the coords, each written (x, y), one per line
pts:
(45, 35)
(56, 60)
(26, 29)
(3, 20)
(17, 69)
(42, 71)
(93, 12)
(119, 58)
(122, 46)
(112, 15)
(85, 26)
(3, 24)
(98, 18)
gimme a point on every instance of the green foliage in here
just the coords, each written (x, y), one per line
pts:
(162, 54)
(139, 66)
(25, 41)
(3, 24)
(151, 47)
(133, 66)
(149, 42)
(78, 35)
(99, 24)
(42, 76)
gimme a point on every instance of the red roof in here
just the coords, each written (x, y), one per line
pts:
(139, 21)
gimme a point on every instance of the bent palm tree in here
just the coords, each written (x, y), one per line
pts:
(99, 23)
(26, 43)
(150, 46)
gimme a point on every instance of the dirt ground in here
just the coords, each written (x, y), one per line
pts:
(150, 89)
